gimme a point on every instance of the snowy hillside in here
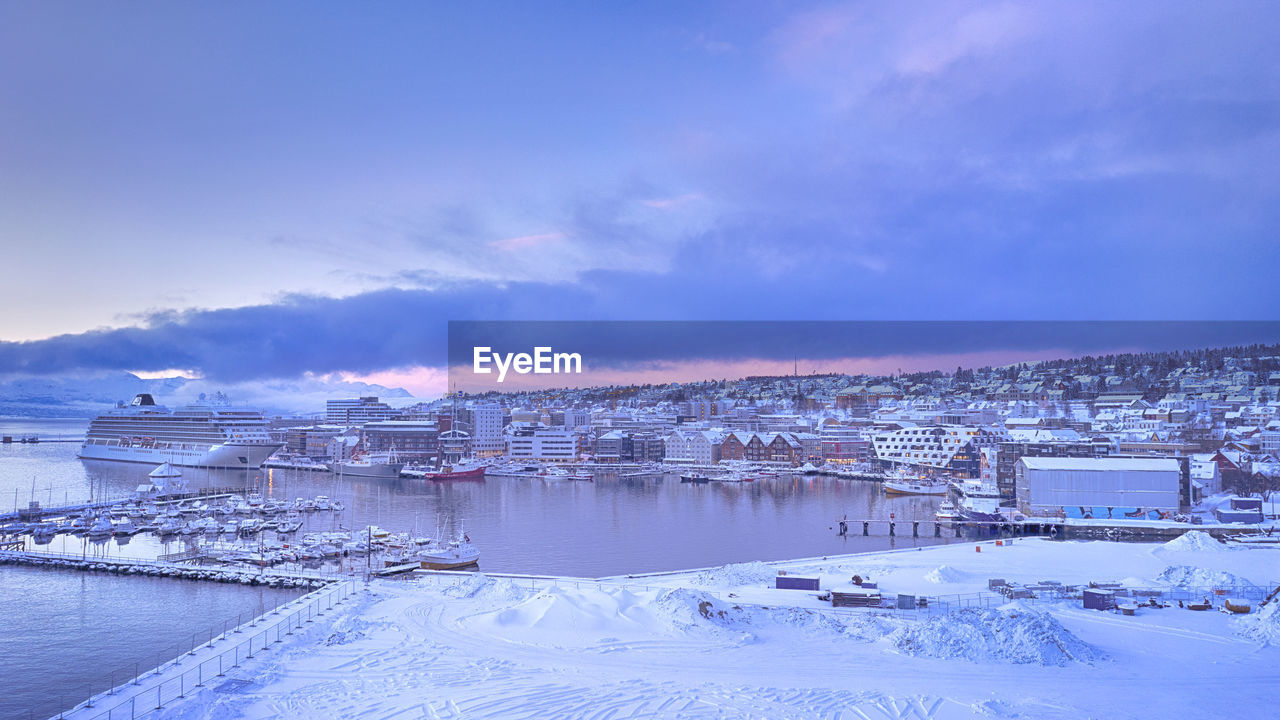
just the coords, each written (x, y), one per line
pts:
(90, 394)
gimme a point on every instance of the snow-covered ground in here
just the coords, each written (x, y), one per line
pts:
(720, 643)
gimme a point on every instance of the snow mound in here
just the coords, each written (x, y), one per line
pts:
(608, 618)
(347, 630)
(1010, 634)
(946, 574)
(482, 587)
(737, 575)
(1194, 541)
(1262, 626)
(1189, 576)
(572, 617)
(690, 609)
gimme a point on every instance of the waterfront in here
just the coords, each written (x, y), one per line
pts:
(612, 526)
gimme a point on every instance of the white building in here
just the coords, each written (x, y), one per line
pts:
(952, 448)
(357, 411)
(486, 431)
(700, 447)
(1096, 487)
(543, 443)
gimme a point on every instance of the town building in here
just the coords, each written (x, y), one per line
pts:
(527, 441)
(1098, 487)
(357, 411)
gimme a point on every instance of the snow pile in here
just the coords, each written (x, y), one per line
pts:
(1010, 634)
(571, 617)
(1194, 541)
(946, 574)
(1189, 576)
(1262, 626)
(482, 587)
(690, 609)
(737, 575)
(348, 629)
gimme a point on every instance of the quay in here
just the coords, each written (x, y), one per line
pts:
(168, 567)
(1064, 529)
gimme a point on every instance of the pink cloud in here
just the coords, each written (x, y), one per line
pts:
(670, 202)
(696, 370)
(526, 241)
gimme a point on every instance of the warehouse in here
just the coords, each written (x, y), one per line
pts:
(1098, 487)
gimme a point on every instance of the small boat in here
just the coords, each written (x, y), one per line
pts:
(287, 526)
(695, 478)
(947, 510)
(322, 503)
(250, 526)
(124, 527)
(560, 474)
(169, 527)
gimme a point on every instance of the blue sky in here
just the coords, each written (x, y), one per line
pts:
(411, 163)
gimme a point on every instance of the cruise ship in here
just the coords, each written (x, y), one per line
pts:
(193, 436)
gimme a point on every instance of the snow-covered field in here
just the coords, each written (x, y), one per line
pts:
(721, 643)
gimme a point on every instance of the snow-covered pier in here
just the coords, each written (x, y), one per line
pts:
(154, 568)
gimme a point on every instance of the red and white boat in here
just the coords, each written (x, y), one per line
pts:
(446, 473)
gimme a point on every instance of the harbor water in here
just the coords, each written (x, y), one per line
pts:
(615, 525)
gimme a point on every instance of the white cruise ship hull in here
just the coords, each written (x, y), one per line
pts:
(224, 456)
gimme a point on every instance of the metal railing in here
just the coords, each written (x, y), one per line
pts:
(135, 694)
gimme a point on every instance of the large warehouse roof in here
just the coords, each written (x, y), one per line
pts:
(1110, 463)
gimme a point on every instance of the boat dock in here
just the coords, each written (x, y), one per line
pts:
(1035, 527)
(37, 512)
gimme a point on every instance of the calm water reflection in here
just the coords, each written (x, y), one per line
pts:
(85, 623)
(612, 526)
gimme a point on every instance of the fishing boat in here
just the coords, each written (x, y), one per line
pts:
(450, 473)
(455, 553)
(914, 487)
(980, 501)
(377, 465)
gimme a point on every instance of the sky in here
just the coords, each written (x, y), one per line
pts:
(229, 189)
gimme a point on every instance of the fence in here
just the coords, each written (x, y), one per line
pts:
(133, 694)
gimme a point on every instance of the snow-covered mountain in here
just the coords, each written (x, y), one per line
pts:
(89, 394)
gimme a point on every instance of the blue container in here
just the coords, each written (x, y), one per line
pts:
(790, 582)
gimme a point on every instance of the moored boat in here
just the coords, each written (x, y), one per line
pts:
(914, 487)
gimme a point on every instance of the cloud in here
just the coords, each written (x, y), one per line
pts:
(672, 202)
(388, 335)
(524, 242)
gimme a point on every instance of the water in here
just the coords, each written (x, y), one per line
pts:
(91, 631)
(613, 526)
